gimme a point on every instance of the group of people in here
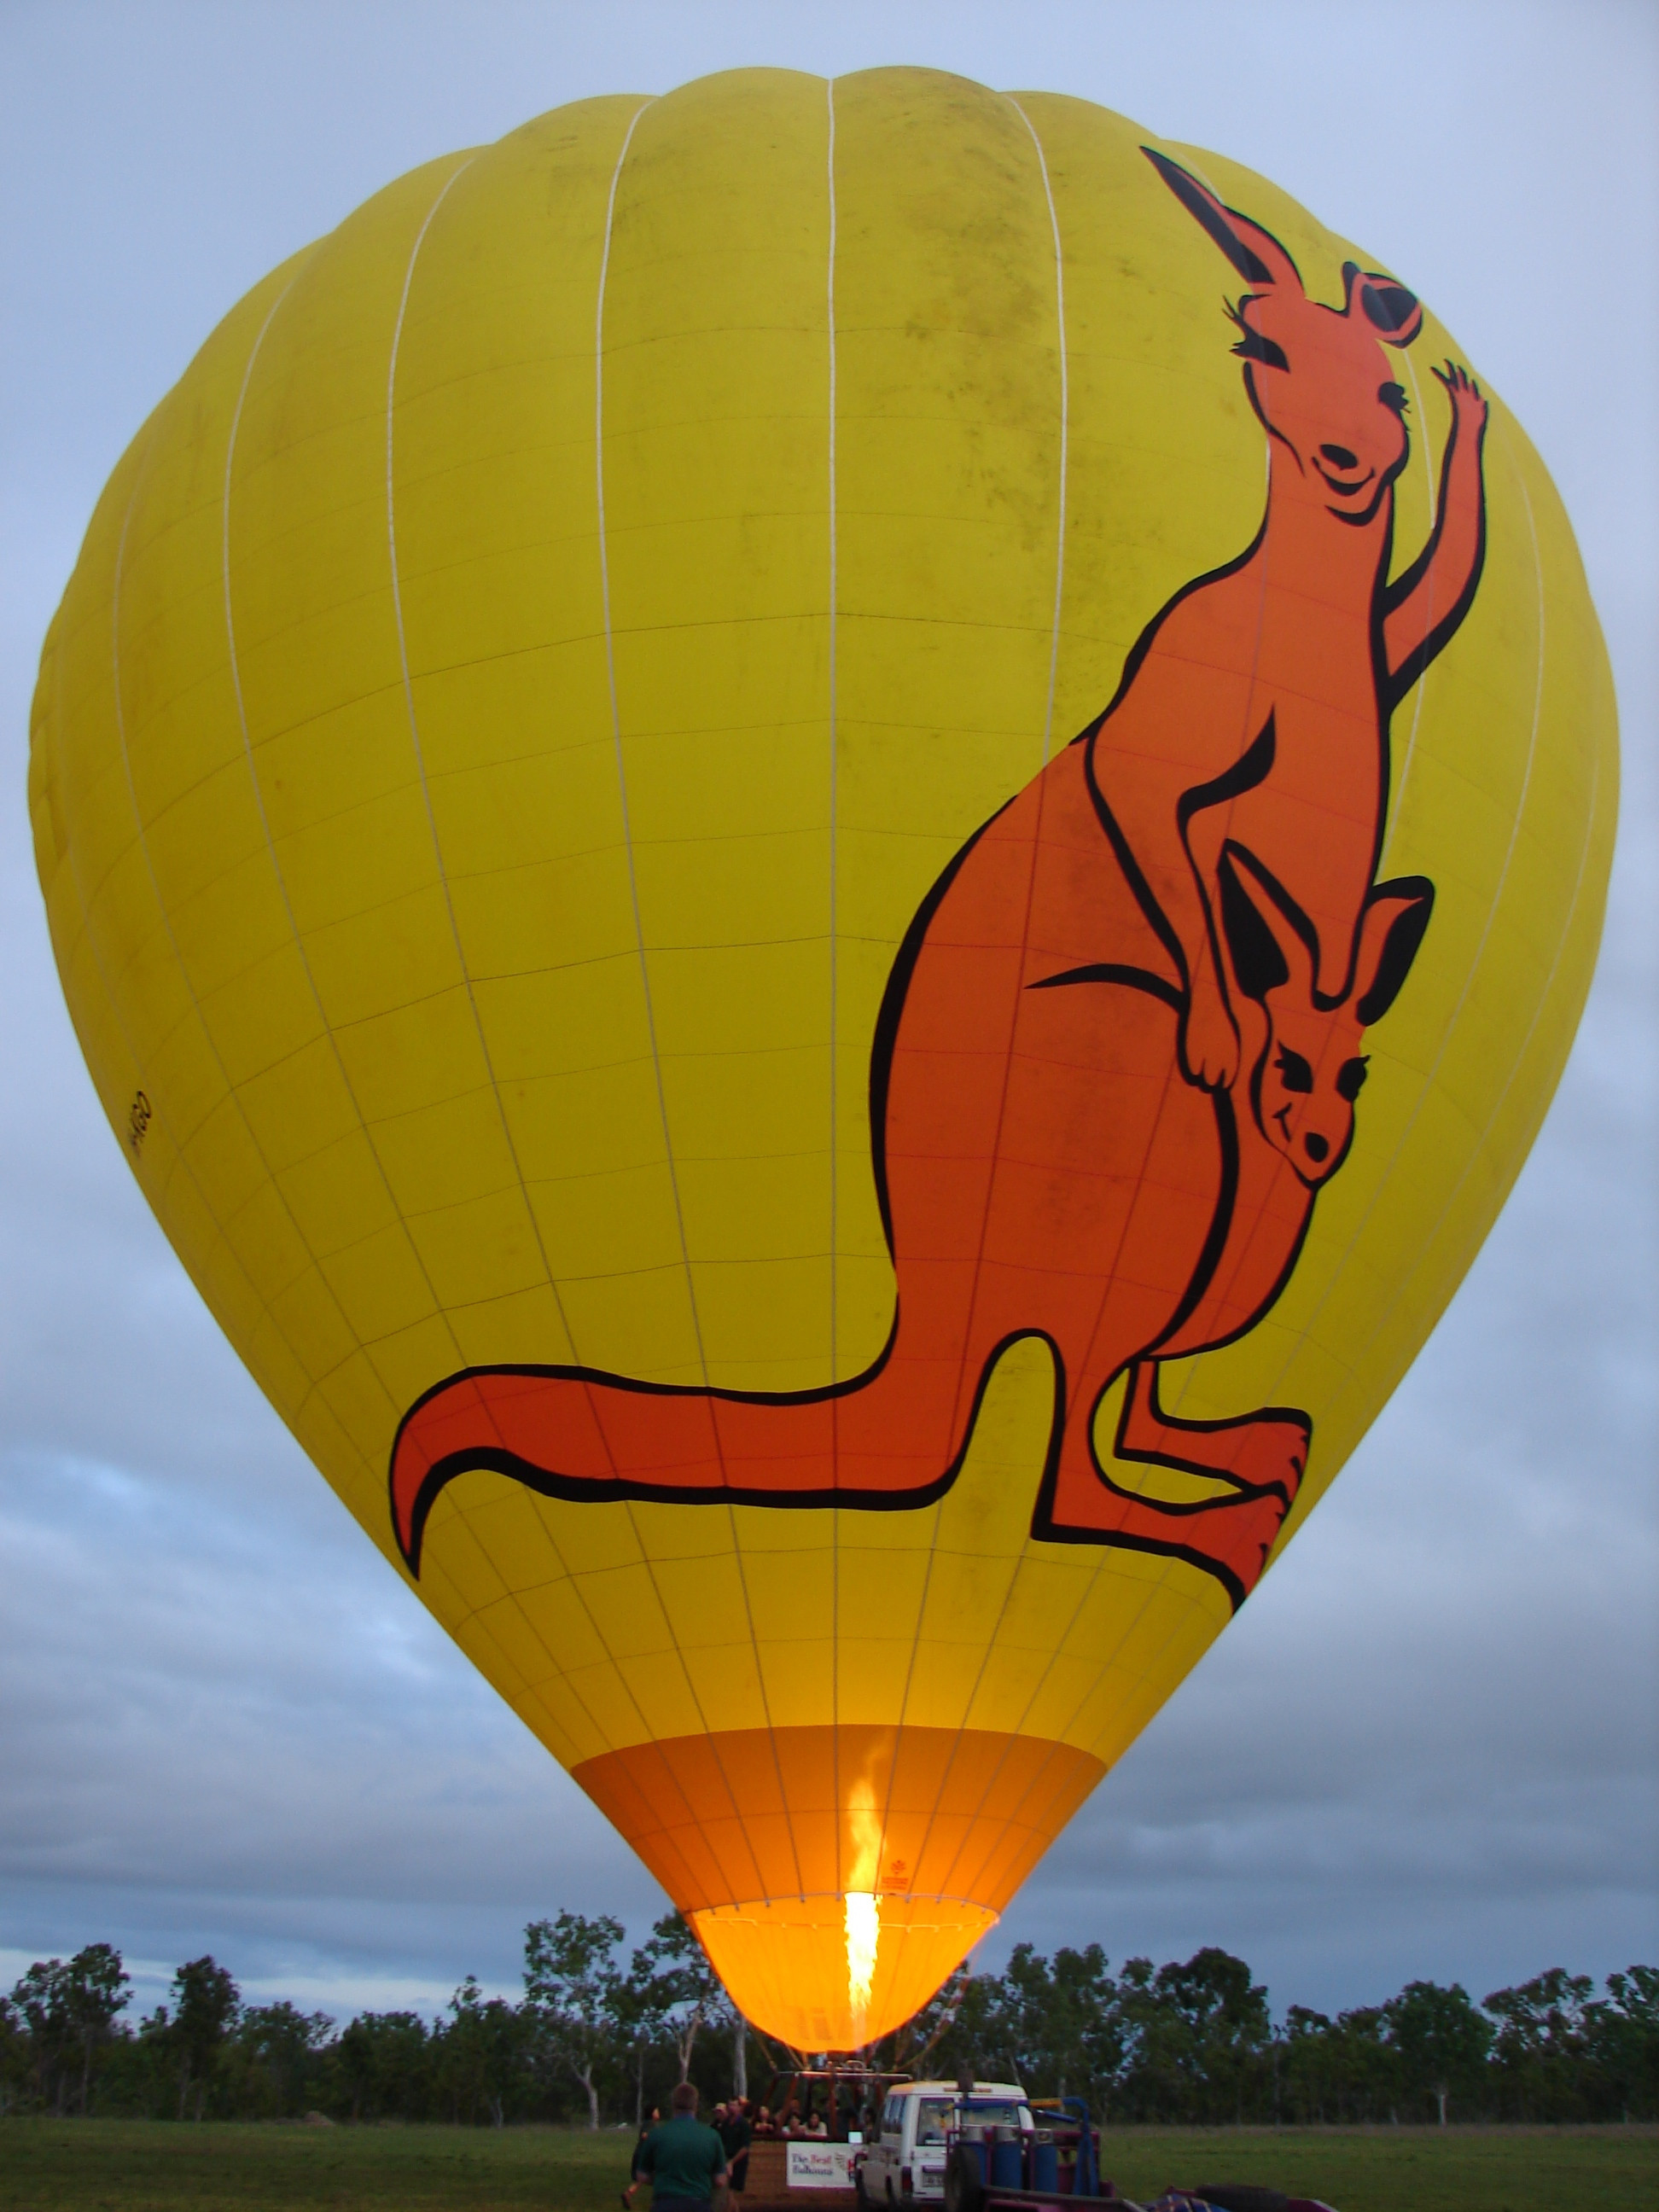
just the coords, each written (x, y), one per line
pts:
(685, 2159)
(789, 2121)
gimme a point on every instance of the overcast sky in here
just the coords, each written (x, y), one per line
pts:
(1428, 1747)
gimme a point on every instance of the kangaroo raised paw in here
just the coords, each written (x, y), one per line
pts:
(1469, 401)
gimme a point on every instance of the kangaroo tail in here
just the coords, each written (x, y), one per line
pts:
(892, 1436)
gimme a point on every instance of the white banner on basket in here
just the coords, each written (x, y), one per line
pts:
(820, 2165)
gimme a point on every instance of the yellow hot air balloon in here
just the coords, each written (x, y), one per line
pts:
(827, 1220)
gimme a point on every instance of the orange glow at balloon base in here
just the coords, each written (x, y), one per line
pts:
(786, 1963)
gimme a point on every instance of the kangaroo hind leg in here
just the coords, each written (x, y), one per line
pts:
(1259, 1458)
(1266, 1450)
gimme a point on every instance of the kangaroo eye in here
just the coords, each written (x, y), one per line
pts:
(1392, 395)
(1254, 347)
(1351, 1080)
(1294, 1072)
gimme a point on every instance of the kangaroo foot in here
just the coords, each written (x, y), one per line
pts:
(1264, 1451)
(1260, 1458)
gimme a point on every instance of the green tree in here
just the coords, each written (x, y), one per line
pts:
(205, 2002)
(638, 2004)
(690, 1992)
(1307, 2074)
(1061, 2023)
(39, 2000)
(384, 2062)
(1442, 2042)
(14, 2055)
(570, 1977)
(1197, 2033)
(483, 2052)
(1542, 2044)
(97, 1989)
(1622, 2038)
(1363, 2067)
(281, 2045)
(962, 2030)
(69, 2008)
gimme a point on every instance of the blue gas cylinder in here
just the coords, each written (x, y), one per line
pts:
(1006, 2164)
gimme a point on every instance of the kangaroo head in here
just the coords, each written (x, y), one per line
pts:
(1307, 1068)
(1316, 376)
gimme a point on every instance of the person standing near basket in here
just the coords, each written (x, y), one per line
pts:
(683, 2161)
(653, 2119)
(737, 2134)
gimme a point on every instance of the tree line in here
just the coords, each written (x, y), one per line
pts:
(601, 2034)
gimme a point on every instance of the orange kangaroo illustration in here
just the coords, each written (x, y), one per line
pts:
(1257, 705)
(1062, 1144)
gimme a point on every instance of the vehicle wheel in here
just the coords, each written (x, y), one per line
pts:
(965, 2187)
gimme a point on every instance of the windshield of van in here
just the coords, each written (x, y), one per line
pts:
(935, 2114)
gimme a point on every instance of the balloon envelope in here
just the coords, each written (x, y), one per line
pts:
(830, 1229)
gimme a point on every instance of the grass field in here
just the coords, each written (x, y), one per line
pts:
(113, 2166)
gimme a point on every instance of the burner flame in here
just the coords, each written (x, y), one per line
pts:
(863, 1936)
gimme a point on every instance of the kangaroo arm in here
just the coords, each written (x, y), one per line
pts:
(1209, 1029)
(1423, 607)
(1143, 819)
(1203, 836)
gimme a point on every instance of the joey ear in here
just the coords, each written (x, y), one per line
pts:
(1390, 930)
(1254, 252)
(1394, 313)
(1264, 933)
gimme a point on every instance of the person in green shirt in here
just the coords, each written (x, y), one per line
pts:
(683, 2161)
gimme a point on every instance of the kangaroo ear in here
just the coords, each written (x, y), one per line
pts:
(1255, 254)
(1264, 945)
(1390, 930)
(1394, 313)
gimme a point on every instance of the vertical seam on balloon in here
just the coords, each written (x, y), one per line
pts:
(1047, 737)
(1064, 420)
(1007, 1075)
(1397, 796)
(616, 720)
(1207, 951)
(305, 963)
(426, 791)
(1456, 1016)
(1067, 1409)
(835, 1371)
(235, 664)
(622, 766)
(231, 1091)
(651, 1027)
(834, 1063)
(90, 935)
(1543, 997)
(465, 972)
(282, 884)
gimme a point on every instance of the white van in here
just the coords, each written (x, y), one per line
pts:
(904, 2162)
